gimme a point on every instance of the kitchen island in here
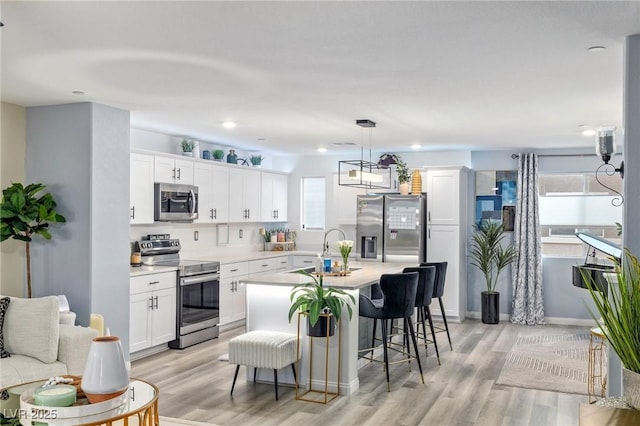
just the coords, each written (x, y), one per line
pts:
(268, 302)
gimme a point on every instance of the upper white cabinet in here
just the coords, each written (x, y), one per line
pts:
(274, 197)
(141, 189)
(443, 196)
(213, 192)
(173, 170)
(244, 195)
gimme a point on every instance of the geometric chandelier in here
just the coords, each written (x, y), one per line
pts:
(361, 173)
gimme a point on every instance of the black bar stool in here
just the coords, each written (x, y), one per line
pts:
(424, 295)
(438, 292)
(399, 291)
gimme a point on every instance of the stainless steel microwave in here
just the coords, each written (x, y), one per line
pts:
(175, 203)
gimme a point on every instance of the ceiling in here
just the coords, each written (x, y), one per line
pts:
(296, 75)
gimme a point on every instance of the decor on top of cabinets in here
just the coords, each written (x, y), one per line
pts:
(206, 155)
(232, 158)
(218, 154)
(256, 160)
(490, 256)
(24, 215)
(361, 173)
(403, 176)
(187, 147)
(315, 299)
(416, 182)
(619, 311)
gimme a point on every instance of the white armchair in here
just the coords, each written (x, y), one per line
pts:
(41, 347)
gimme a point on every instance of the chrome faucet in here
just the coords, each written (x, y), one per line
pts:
(325, 245)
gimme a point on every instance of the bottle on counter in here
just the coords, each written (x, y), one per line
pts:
(319, 264)
(327, 262)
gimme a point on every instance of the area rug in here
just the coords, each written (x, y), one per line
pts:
(548, 358)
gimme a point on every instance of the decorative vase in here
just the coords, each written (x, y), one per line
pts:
(105, 374)
(631, 388)
(232, 158)
(274, 238)
(404, 188)
(490, 307)
(416, 182)
(320, 329)
(345, 264)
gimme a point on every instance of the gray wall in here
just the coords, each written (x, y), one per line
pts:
(81, 152)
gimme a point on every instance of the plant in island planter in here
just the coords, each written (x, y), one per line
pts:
(316, 300)
(24, 215)
(490, 256)
(619, 309)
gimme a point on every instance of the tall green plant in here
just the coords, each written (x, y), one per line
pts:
(620, 310)
(314, 298)
(24, 215)
(488, 252)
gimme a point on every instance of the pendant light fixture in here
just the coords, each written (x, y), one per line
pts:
(361, 173)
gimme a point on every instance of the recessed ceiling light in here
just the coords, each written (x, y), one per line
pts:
(322, 149)
(416, 146)
(229, 124)
(261, 139)
(588, 132)
(596, 48)
(78, 92)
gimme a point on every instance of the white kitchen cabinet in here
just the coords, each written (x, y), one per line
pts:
(274, 197)
(152, 307)
(141, 189)
(282, 263)
(233, 292)
(213, 192)
(262, 265)
(173, 170)
(244, 195)
(300, 261)
(447, 221)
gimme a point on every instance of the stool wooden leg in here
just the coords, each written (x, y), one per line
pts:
(275, 381)
(433, 331)
(235, 376)
(444, 318)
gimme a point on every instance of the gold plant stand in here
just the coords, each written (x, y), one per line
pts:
(321, 396)
(597, 364)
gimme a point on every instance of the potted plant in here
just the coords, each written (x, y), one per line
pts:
(256, 160)
(25, 215)
(317, 300)
(490, 256)
(218, 154)
(619, 309)
(187, 147)
(403, 176)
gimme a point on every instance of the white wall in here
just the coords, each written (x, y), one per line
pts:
(12, 160)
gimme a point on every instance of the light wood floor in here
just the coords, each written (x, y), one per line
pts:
(195, 385)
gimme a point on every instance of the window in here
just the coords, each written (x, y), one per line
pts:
(576, 202)
(313, 202)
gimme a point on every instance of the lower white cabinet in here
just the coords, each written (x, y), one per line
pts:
(152, 306)
(300, 261)
(233, 292)
(282, 263)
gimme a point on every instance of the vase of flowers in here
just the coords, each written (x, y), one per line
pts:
(345, 247)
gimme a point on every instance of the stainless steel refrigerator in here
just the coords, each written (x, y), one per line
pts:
(392, 228)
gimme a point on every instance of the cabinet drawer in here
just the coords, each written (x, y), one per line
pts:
(234, 269)
(282, 263)
(262, 265)
(162, 280)
(304, 261)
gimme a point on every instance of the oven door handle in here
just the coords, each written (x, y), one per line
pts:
(199, 279)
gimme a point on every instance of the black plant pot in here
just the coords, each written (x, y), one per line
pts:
(490, 307)
(320, 329)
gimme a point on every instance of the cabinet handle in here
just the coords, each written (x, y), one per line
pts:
(235, 286)
(133, 212)
(248, 213)
(234, 270)
(264, 266)
(154, 282)
(211, 216)
(150, 302)
(215, 213)
(307, 261)
(156, 302)
(178, 173)
(173, 176)
(429, 215)
(429, 236)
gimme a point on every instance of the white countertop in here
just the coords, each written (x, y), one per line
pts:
(135, 271)
(368, 274)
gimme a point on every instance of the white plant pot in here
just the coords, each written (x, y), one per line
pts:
(105, 374)
(404, 188)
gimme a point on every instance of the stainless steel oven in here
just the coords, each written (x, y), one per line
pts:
(197, 290)
(198, 303)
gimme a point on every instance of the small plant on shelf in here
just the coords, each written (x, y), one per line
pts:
(187, 145)
(218, 154)
(402, 170)
(256, 160)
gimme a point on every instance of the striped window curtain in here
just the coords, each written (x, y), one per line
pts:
(527, 304)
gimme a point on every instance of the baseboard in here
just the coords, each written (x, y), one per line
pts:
(548, 320)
